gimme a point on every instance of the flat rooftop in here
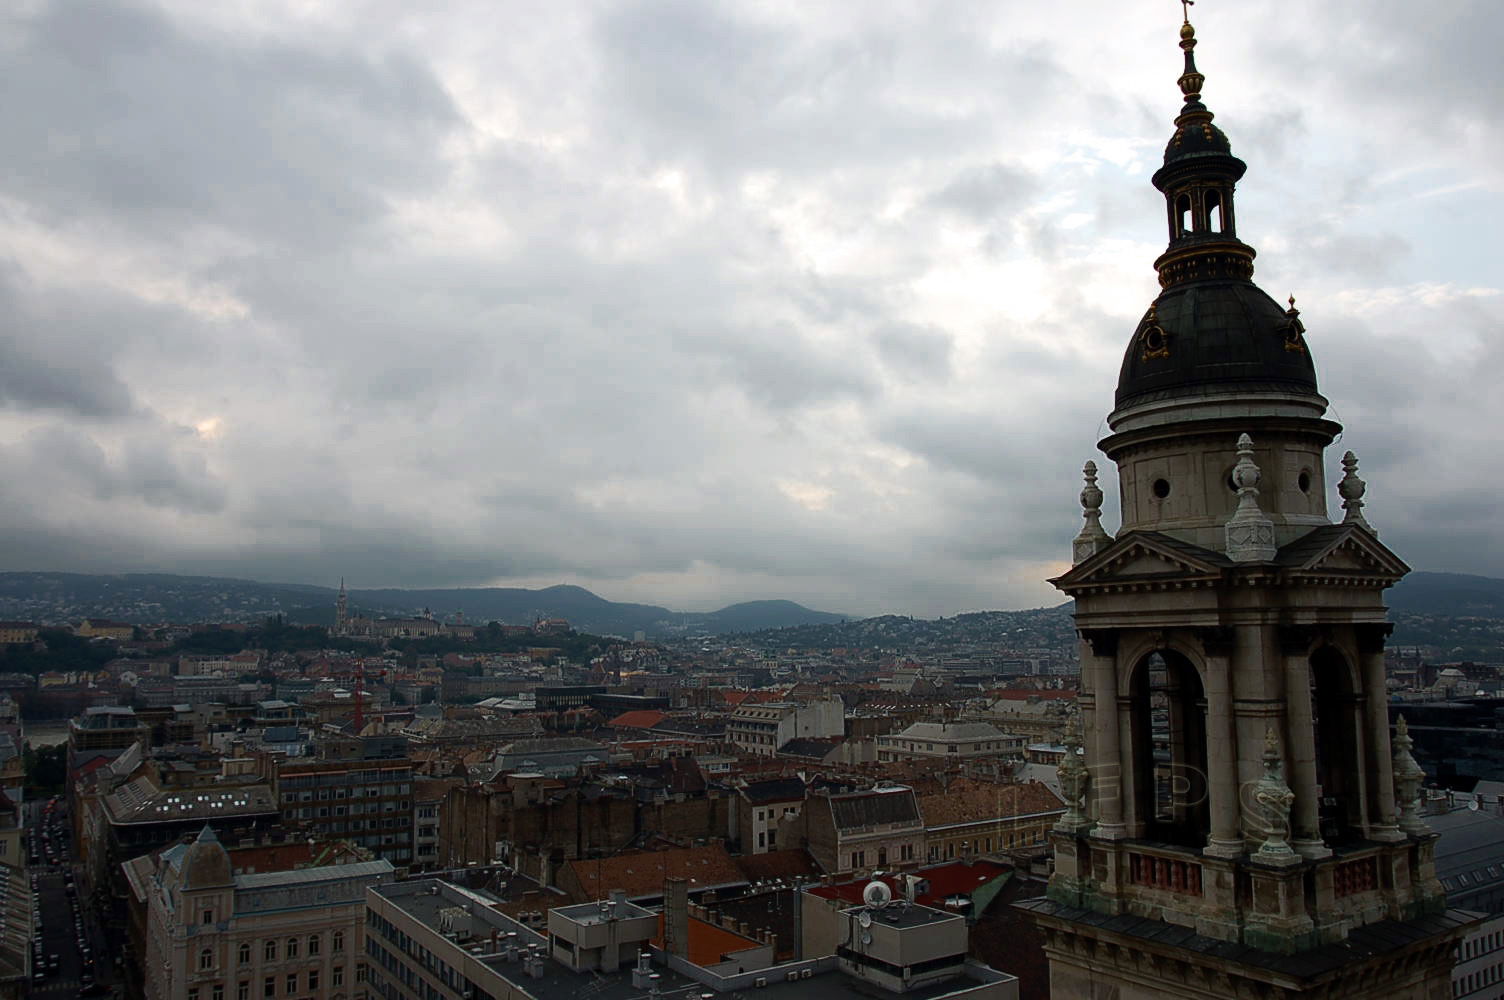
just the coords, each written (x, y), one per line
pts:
(825, 985)
(898, 914)
(589, 914)
(558, 982)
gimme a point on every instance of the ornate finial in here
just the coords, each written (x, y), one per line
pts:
(1250, 535)
(1274, 798)
(1073, 777)
(1191, 80)
(1093, 538)
(1292, 305)
(1407, 780)
(1352, 489)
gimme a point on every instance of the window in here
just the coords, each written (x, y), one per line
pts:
(243, 991)
(205, 959)
(193, 993)
(269, 952)
(313, 945)
(244, 956)
(337, 942)
(208, 917)
(337, 977)
(218, 992)
(313, 980)
(360, 973)
(269, 987)
(292, 982)
(291, 950)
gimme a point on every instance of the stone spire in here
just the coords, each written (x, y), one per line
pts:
(1093, 538)
(1407, 777)
(1274, 798)
(1250, 534)
(1073, 778)
(1352, 489)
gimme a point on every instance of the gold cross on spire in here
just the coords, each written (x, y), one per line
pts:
(1186, 5)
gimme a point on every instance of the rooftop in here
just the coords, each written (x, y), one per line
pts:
(558, 982)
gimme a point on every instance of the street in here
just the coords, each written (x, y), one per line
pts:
(64, 958)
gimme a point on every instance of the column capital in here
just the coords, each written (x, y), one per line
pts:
(1103, 641)
(1217, 641)
(1372, 636)
(1297, 640)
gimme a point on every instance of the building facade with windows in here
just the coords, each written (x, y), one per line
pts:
(209, 934)
(948, 741)
(368, 802)
(761, 729)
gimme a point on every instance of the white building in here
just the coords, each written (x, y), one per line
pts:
(762, 729)
(948, 741)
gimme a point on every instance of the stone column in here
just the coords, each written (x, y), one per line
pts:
(1300, 733)
(1383, 817)
(1107, 769)
(1226, 839)
(1258, 701)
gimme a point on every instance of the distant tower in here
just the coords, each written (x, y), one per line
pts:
(1241, 824)
(341, 610)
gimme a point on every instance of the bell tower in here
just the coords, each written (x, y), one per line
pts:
(1241, 822)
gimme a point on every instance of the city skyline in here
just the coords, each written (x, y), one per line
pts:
(692, 305)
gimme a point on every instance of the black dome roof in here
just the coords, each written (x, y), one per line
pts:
(1213, 336)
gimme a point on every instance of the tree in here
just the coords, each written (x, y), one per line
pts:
(46, 769)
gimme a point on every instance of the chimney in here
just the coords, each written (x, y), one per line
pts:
(676, 916)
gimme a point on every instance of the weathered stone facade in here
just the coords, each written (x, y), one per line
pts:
(1242, 835)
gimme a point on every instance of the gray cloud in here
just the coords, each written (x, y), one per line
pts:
(689, 303)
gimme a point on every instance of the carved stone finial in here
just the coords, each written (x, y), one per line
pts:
(1274, 799)
(1073, 778)
(1408, 777)
(1352, 489)
(1093, 538)
(1250, 534)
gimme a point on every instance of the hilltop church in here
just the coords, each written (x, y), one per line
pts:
(1241, 822)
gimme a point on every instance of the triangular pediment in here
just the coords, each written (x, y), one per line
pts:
(1343, 550)
(1142, 556)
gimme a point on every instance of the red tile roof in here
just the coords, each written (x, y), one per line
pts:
(708, 944)
(643, 874)
(641, 718)
(956, 878)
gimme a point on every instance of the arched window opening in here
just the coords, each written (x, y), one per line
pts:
(1334, 709)
(1169, 750)
(1183, 220)
(1214, 211)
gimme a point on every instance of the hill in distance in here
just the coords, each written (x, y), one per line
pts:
(55, 598)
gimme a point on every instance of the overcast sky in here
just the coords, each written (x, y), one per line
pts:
(696, 302)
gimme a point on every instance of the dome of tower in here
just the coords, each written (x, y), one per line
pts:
(1211, 330)
(1204, 337)
(206, 863)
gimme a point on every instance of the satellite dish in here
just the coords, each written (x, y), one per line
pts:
(877, 894)
(865, 919)
(1472, 804)
(866, 937)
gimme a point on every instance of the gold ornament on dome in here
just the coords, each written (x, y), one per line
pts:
(1154, 341)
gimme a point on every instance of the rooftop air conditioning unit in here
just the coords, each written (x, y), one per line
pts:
(792, 975)
(760, 982)
(806, 973)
